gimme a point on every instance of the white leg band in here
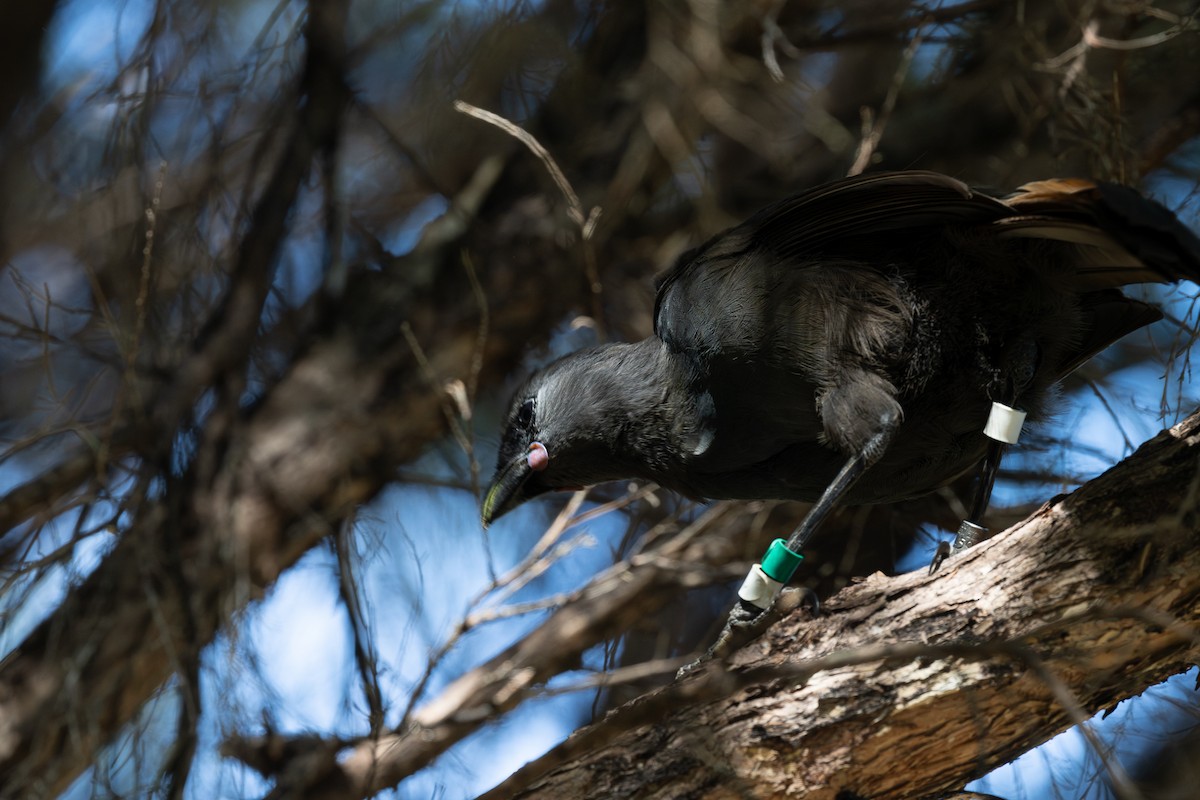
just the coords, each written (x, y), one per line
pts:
(1004, 423)
(759, 589)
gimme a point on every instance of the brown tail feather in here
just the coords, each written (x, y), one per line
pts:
(1121, 237)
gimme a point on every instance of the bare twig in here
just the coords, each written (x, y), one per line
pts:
(586, 222)
(772, 36)
(365, 657)
(874, 126)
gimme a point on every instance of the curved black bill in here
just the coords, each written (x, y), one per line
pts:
(504, 493)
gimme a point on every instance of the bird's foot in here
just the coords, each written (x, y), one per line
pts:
(939, 556)
(969, 534)
(747, 622)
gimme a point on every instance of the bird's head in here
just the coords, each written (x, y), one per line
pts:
(562, 430)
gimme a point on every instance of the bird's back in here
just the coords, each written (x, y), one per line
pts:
(946, 298)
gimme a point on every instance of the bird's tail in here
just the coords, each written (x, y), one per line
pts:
(1120, 236)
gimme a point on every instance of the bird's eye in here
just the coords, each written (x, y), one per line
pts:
(525, 414)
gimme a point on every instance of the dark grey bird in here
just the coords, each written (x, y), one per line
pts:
(847, 343)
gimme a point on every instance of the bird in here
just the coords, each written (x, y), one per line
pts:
(844, 345)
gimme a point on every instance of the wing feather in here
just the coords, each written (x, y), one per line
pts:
(825, 221)
(1118, 236)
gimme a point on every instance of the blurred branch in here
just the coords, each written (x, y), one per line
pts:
(220, 346)
(365, 653)
(586, 222)
(873, 125)
(267, 482)
(608, 604)
(103, 669)
(22, 30)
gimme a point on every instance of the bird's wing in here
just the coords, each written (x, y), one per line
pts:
(816, 222)
(823, 220)
(824, 224)
(760, 334)
(1117, 236)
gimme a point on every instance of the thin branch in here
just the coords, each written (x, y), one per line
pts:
(873, 129)
(586, 222)
(365, 656)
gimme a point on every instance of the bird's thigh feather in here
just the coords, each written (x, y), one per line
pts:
(855, 410)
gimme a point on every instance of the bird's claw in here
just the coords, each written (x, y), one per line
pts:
(943, 552)
(747, 622)
(969, 535)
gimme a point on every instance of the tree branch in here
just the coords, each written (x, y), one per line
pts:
(279, 476)
(86, 670)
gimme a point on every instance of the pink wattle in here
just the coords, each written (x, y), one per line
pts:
(538, 457)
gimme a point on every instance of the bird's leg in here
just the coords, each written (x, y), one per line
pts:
(756, 599)
(849, 474)
(1003, 427)
(745, 623)
(972, 531)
